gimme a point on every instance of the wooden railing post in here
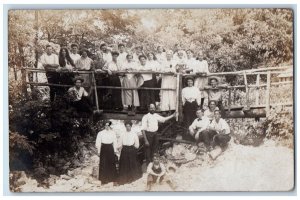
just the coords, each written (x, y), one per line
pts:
(178, 96)
(268, 93)
(24, 80)
(257, 90)
(247, 90)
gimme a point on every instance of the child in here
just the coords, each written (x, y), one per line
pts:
(157, 173)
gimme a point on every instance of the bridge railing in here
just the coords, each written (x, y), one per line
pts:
(268, 72)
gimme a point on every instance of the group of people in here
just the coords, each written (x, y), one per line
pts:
(116, 69)
(208, 128)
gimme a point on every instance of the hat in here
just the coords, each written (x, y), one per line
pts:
(142, 56)
(213, 78)
(109, 122)
(115, 53)
(127, 122)
(189, 78)
(78, 78)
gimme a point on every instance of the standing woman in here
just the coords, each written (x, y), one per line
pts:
(168, 97)
(152, 60)
(201, 67)
(84, 63)
(106, 144)
(114, 80)
(66, 64)
(130, 169)
(191, 100)
(131, 97)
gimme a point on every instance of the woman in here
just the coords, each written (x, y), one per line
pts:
(201, 68)
(147, 97)
(66, 65)
(181, 62)
(131, 97)
(114, 80)
(191, 100)
(84, 63)
(106, 144)
(129, 168)
(168, 97)
(101, 78)
(152, 60)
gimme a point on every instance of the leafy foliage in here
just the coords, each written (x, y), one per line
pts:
(280, 126)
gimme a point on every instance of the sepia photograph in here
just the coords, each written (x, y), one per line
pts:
(151, 100)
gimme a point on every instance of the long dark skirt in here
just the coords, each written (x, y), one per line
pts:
(66, 79)
(116, 95)
(147, 97)
(130, 170)
(107, 167)
(189, 112)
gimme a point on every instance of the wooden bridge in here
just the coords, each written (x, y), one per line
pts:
(255, 109)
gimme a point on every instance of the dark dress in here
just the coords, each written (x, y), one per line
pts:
(147, 97)
(189, 112)
(116, 98)
(130, 170)
(107, 167)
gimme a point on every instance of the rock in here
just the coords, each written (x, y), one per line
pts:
(65, 177)
(215, 153)
(95, 172)
(77, 171)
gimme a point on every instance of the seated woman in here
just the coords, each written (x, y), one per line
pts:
(131, 97)
(191, 100)
(79, 97)
(129, 168)
(210, 112)
(114, 80)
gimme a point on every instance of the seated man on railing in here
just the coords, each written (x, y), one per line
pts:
(79, 97)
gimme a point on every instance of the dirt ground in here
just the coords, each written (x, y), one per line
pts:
(268, 167)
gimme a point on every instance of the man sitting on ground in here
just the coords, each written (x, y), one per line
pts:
(198, 129)
(220, 130)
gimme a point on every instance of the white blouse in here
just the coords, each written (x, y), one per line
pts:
(84, 63)
(220, 126)
(146, 67)
(201, 67)
(106, 137)
(191, 94)
(129, 139)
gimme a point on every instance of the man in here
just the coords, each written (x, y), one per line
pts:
(79, 97)
(122, 54)
(50, 64)
(107, 57)
(198, 129)
(220, 130)
(73, 53)
(149, 129)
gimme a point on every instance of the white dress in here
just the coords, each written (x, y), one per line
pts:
(200, 82)
(168, 97)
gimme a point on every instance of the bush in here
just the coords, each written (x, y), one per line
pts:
(280, 126)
